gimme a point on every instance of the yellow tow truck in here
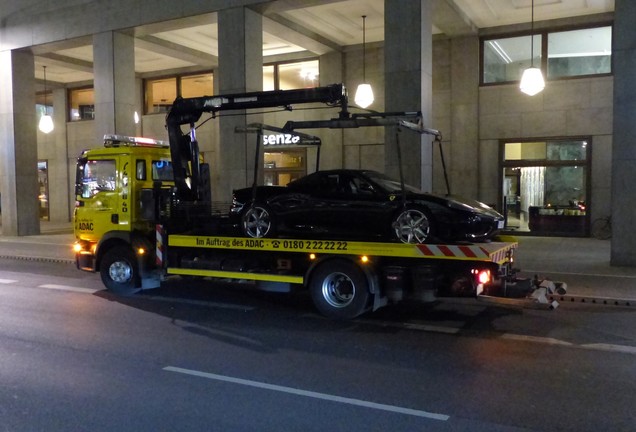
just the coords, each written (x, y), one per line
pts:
(143, 214)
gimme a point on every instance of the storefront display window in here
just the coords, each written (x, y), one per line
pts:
(43, 191)
(281, 167)
(545, 186)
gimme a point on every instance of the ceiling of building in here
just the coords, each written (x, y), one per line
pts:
(296, 26)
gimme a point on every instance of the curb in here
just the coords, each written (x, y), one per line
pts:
(39, 259)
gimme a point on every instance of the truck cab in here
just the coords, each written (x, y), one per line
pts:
(110, 208)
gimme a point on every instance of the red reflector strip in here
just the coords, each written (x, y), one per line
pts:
(451, 251)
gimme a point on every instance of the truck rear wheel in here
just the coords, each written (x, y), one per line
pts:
(339, 289)
(119, 271)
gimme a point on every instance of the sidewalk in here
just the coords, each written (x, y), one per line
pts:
(55, 243)
(583, 263)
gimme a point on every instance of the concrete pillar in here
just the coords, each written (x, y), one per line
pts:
(623, 249)
(408, 53)
(18, 145)
(464, 150)
(240, 70)
(114, 71)
(60, 182)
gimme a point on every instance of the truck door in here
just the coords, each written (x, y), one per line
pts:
(97, 190)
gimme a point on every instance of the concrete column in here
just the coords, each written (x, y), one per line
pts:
(60, 183)
(18, 145)
(464, 149)
(408, 53)
(623, 249)
(240, 70)
(114, 71)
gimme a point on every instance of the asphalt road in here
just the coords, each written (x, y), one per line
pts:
(191, 357)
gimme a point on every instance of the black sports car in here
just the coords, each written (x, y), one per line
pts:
(360, 205)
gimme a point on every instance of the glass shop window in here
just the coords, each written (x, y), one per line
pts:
(545, 187)
(281, 167)
(81, 104)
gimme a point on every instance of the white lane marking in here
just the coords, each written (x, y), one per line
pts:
(538, 339)
(315, 395)
(69, 288)
(626, 349)
(610, 347)
(412, 326)
(199, 303)
(7, 281)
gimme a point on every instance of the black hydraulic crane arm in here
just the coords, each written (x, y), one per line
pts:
(184, 149)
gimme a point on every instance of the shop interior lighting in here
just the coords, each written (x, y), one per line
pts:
(46, 121)
(532, 81)
(364, 93)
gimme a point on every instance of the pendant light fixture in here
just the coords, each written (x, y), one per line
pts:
(532, 79)
(364, 93)
(46, 121)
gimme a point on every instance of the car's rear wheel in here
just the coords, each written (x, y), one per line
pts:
(258, 222)
(412, 225)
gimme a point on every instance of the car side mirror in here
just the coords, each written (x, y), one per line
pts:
(366, 187)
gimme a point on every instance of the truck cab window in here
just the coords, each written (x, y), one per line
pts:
(162, 170)
(97, 176)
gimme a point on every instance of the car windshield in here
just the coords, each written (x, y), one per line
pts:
(388, 183)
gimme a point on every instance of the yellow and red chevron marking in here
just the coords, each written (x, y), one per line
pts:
(159, 247)
(497, 254)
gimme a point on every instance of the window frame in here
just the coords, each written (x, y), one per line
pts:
(277, 65)
(545, 34)
(178, 78)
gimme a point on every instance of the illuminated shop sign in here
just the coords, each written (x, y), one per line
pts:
(280, 139)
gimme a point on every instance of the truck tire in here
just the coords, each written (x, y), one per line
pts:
(339, 289)
(119, 271)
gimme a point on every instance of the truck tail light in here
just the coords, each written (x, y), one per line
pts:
(483, 276)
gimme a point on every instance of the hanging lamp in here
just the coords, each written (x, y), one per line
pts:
(364, 92)
(532, 81)
(46, 121)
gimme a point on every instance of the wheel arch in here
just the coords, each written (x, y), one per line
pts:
(133, 240)
(368, 269)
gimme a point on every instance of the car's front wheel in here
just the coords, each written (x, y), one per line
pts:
(412, 225)
(258, 222)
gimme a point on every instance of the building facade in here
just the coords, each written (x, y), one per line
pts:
(550, 162)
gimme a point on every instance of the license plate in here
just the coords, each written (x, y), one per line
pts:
(500, 224)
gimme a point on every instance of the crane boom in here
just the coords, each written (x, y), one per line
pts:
(184, 149)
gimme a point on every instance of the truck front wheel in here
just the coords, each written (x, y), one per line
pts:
(339, 289)
(119, 271)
